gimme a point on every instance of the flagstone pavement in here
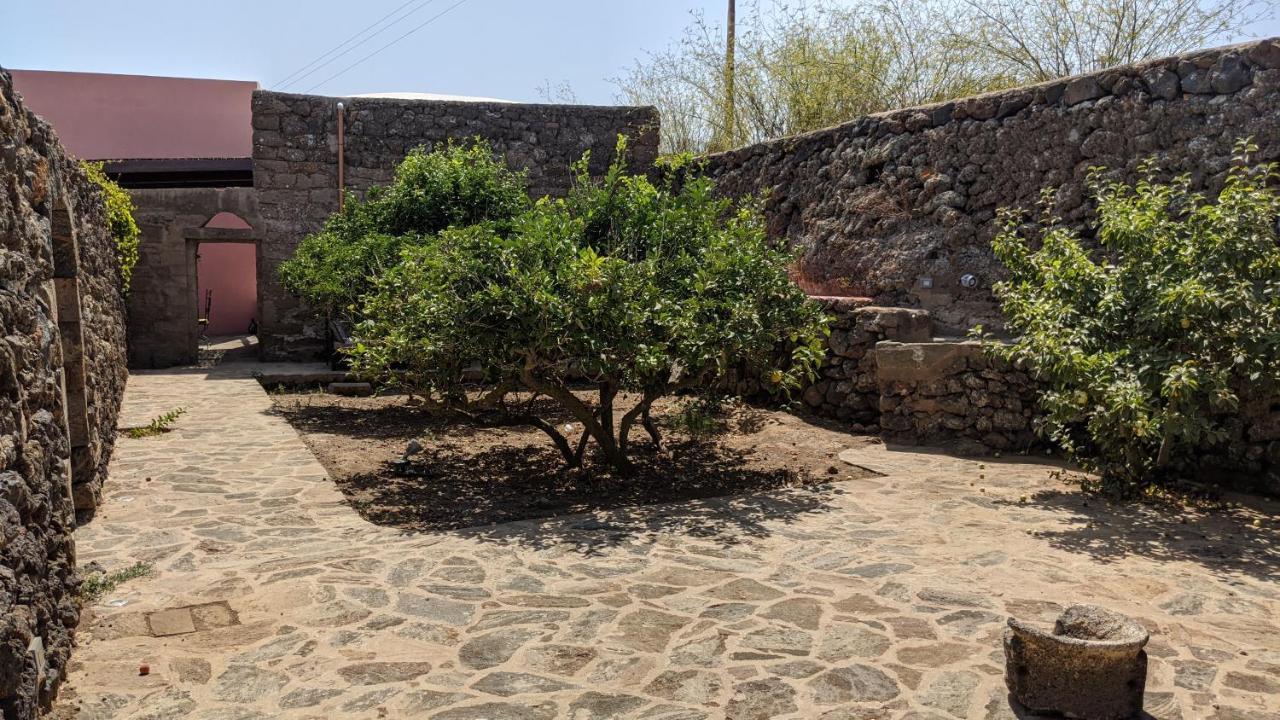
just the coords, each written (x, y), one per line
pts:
(883, 597)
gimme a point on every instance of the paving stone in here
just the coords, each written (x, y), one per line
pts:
(544, 601)
(368, 700)
(745, 589)
(843, 641)
(559, 659)
(855, 683)
(601, 706)
(858, 604)
(494, 648)
(935, 655)
(506, 684)
(797, 669)
(247, 684)
(436, 609)
(1250, 682)
(802, 612)
(951, 692)
(775, 639)
(504, 618)
(648, 630)
(307, 697)
(417, 702)
(761, 700)
(953, 598)
(695, 687)
(729, 612)
(376, 673)
(171, 622)
(879, 570)
(672, 712)
(703, 652)
(1194, 674)
(195, 671)
(500, 711)
(968, 622)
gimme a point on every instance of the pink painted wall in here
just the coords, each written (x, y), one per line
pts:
(123, 117)
(230, 271)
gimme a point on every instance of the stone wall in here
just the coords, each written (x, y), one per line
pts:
(953, 394)
(847, 388)
(62, 377)
(900, 206)
(296, 173)
(163, 297)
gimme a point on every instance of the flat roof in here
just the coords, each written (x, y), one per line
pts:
(101, 116)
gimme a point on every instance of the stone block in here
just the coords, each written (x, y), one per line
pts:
(358, 389)
(1091, 666)
(171, 622)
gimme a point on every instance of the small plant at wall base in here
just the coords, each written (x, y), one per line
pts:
(457, 185)
(157, 426)
(1149, 347)
(97, 585)
(634, 287)
(124, 229)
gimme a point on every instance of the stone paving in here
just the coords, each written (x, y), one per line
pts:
(876, 598)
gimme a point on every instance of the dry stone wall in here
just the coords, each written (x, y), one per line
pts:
(900, 206)
(62, 376)
(295, 165)
(953, 394)
(847, 387)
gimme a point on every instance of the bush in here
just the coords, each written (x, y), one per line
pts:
(458, 185)
(1148, 345)
(631, 285)
(124, 229)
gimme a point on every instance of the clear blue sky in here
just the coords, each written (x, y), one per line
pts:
(496, 48)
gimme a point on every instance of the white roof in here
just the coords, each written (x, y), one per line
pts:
(429, 96)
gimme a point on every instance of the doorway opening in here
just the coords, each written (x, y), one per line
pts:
(227, 300)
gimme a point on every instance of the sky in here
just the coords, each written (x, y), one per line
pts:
(508, 49)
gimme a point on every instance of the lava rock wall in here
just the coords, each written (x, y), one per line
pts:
(954, 394)
(58, 272)
(901, 206)
(295, 169)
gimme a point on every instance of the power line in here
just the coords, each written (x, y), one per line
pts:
(343, 71)
(299, 74)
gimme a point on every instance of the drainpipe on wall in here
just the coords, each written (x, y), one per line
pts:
(342, 113)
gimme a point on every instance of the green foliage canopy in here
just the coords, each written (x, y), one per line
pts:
(1148, 346)
(459, 185)
(627, 284)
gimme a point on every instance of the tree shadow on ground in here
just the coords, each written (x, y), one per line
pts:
(380, 421)
(1239, 534)
(525, 495)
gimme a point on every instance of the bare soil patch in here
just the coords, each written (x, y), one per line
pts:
(469, 475)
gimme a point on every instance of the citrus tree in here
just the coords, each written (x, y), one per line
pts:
(457, 185)
(623, 286)
(1147, 344)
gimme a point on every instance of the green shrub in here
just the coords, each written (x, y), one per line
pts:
(1148, 344)
(457, 185)
(124, 229)
(633, 286)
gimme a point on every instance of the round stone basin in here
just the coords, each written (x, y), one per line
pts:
(1091, 666)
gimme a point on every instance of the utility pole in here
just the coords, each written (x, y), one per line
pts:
(730, 109)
